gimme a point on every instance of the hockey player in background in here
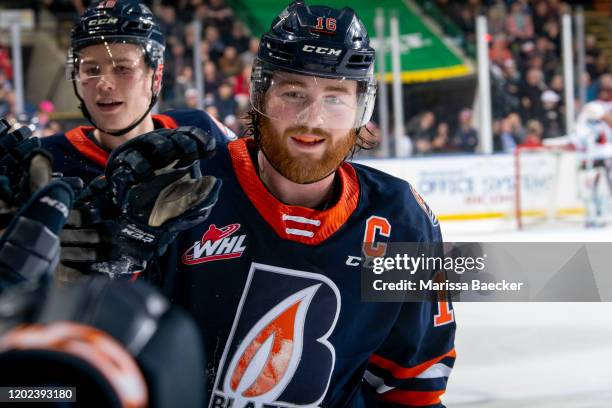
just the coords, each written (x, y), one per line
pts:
(115, 64)
(594, 139)
(272, 277)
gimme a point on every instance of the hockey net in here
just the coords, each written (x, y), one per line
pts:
(547, 186)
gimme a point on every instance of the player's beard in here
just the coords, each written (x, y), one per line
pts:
(303, 169)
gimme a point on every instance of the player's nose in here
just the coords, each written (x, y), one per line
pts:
(312, 116)
(106, 82)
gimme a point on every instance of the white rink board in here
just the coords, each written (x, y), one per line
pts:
(483, 186)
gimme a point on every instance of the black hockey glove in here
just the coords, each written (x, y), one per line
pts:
(24, 168)
(30, 246)
(120, 344)
(152, 190)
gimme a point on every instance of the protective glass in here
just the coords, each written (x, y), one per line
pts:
(114, 59)
(315, 102)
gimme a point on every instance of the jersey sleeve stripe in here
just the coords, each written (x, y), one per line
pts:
(436, 371)
(431, 380)
(412, 398)
(407, 372)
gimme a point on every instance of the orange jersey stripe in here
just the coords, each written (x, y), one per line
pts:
(407, 372)
(272, 210)
(412, 398)
(77, 137)
(87, 148)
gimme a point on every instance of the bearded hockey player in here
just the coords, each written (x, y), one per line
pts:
(271, 276)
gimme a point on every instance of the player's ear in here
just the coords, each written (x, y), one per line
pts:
(157, 78)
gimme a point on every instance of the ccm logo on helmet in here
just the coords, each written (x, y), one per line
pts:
(322, 50)
(102, 21)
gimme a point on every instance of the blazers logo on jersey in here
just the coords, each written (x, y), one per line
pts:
(278, 353)
(216, 244)
(430, 214)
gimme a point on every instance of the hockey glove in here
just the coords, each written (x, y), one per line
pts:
(24, 168)
(29, 248)
(152, 190)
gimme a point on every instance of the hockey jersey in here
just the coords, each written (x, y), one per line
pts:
(276, 292)
(275, 289)
(75, 154)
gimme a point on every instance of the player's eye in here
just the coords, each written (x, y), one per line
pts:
(91, 70)
(333, 100)
(294, 97)
(123, 70)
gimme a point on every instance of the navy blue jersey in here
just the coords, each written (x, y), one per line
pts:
(276, 292)
(76, 155)
(275, 289)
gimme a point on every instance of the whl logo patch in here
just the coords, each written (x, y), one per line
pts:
(216, 244)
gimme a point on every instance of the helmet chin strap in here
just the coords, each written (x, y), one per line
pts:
(119, 132)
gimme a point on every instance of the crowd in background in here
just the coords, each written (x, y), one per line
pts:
(526, 76)
(526, 71)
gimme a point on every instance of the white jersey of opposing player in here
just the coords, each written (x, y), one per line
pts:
(593, 135)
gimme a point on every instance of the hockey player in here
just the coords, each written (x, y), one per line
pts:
(115, 64)
(272, 277)
(594, 138)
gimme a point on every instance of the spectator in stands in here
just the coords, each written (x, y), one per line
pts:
(168, 22)
(212, 80)
(6, 67)
(499, 52)
(533, 134)
(7, 104)
(249, 55)
(41, 118)
(440, 141)
(184, 81)
(592, 52)
(552, 32)
(513, 83)
(465, 138)
(497, 17)
(531, 95)
(240, 37)
(541, 14)
(220, 15)
(230, 63)
(517, 125)
(552, 119)
(242, 83)
(215, 43)
(466, 21)
(191, 98)
(421, 130)
(506, 140)
(519, 25)
(546, 53)
(224, 101)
